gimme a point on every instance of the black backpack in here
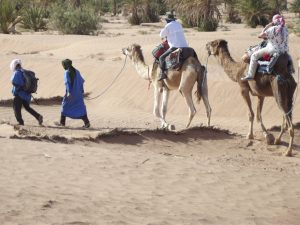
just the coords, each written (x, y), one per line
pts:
(31, 82)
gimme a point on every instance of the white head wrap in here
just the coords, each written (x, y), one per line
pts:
(14, 63)
(278, 20)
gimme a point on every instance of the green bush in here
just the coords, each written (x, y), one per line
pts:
(150, 13)
(144, 12)
(255, 12)
(134, 19)
(70, 20)
(208, 25)
(8, 14)
(232, 14)
(254, 21)
(295, 7)
(34, 18)
(297, 28)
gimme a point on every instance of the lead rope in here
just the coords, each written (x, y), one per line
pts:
(107, 88)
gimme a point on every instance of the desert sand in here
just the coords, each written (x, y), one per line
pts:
(125, 170)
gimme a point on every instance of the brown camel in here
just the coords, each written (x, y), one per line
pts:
(182, 80)
(281, 87)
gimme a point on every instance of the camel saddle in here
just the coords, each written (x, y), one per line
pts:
(176, 58)
(267, 62)
(160, 49)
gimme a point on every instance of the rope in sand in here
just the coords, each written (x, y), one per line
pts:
(109, 86)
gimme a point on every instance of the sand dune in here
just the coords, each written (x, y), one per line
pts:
(124, 170)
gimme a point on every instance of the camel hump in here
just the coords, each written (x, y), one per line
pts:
(284, 64)
(188, 52)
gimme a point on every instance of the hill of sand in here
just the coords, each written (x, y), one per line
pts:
(124, 170)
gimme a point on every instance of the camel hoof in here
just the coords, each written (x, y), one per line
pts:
(164, 126)
(250, 136)
(208, 124)
(289, 153)
(270, 139)
(277, 141)
(171, 127)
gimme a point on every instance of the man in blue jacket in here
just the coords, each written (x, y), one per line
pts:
(21, 97)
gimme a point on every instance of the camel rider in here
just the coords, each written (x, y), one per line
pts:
(277, 35)
(173, 32)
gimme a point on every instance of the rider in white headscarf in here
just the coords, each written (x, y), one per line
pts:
(277, 35)
(21, 97)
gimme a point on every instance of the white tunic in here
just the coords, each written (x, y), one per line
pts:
(278, 40)
(173, 31)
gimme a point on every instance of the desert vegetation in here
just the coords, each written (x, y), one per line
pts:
(84, 17)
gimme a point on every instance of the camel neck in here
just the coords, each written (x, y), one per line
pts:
(142, 69)
(233, 69)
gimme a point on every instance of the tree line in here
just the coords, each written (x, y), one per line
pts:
(84, 16)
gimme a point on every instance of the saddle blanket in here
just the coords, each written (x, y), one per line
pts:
(176, 59)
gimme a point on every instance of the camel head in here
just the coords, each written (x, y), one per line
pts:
(213, 47)
(134, 52)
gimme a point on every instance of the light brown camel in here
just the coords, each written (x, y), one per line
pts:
(182, 80)
(281, 87)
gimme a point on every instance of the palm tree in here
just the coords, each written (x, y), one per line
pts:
(143, 11)
(134, 6)
(277, 6)
(114, 7)
(8, 14)
(203, 14)
(255, 12)
(150, 11)
(232, 12)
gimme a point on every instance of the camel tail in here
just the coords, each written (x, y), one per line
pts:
(201, 83)
(291, 90)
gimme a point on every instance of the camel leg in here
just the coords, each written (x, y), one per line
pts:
(281, 96)
(208, 109)
(291, 133)
(204, 95)
(206, 102)
(246, 96)
(189, 101)
(269, 137)
(164, 107)
(157, 105)
(287, 121)
(283, 128)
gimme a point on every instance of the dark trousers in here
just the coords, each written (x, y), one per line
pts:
(162, 58)
(17, 105)
(63, 119)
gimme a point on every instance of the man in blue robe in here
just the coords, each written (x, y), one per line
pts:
(21, 97)
(73, 105)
